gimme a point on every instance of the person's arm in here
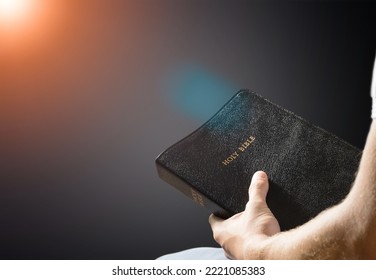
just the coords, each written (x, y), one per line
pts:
(345, 231)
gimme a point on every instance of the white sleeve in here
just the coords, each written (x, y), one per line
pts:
(373, 91)
(200, 253)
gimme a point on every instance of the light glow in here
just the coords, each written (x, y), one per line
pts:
(28, 26)
(12, 11)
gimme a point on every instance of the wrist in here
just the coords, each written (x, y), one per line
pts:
(276, 247)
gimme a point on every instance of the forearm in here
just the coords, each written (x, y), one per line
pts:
(324, 237)
(362, 198)
(365, 183)
(341, 232)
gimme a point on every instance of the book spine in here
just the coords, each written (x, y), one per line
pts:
(190, 191)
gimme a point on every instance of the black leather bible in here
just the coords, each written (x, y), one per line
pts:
(309, 169)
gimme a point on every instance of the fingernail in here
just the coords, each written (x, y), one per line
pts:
(260, 175)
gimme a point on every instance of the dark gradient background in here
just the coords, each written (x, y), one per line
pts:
(92, 91)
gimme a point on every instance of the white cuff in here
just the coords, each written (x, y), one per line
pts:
(373, 92)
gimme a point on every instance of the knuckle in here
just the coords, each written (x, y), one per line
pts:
(257, 183)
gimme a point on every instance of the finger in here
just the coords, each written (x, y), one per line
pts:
(213, 219)
(215, 223)
(259, 187)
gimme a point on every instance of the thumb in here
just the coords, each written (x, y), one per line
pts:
(259, 188)
(257, 210)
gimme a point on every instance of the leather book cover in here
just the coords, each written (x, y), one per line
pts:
(309, 169)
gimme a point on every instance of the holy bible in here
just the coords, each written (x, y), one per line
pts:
(309, 169)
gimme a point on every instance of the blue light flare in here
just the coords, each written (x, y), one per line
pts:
(197, 93)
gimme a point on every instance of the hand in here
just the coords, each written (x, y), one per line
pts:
(241, 234)
(344, 231)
